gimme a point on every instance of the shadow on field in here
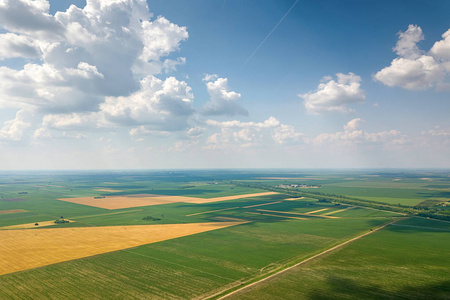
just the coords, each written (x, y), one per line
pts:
(345, 288)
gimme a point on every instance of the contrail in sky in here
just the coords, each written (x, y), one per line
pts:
(273, 29)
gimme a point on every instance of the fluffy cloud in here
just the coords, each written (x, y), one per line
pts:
(164, 104)
(94, 66)
(157, 106)
(247, 134)
(437, 131)
(414, 69)
(14, 129)
(441, 49)
(222, 100)
(353, 135)
(334, 95)
(14, 45)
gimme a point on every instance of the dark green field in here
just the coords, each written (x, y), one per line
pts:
(411, 255)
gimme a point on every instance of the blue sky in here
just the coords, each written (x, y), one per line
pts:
(202, 84)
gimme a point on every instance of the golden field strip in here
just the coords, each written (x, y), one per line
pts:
(108, 190)
(319, 210)
(336, 211)
(12, 211)
(31, 248)
(31, 225)
(119, 202)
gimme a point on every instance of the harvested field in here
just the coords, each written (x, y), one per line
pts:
(13, 199)
(319, 210)
(108, 190)
(31, 225)
(336, 211)
(293, 199)
(12, 211)
(28, 248)
(118, 202)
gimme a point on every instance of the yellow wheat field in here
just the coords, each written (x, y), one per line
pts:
(31, 225)
(30, 248)
(118, 202)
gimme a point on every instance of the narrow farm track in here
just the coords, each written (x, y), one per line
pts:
(302, 262)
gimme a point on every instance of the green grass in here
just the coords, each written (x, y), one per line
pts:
(408, 260)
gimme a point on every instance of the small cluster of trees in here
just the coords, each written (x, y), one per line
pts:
(61, 220)
(150, 218)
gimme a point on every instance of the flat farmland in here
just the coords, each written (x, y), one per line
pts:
(211, 238)
(26, 248)
(406, 260)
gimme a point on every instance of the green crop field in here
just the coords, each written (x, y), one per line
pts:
(406, 260)
(278, 233)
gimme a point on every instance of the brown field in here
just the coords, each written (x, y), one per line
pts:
(12, 211)
(31, 225)
(31, 248)
(118, 202)
(108, 190)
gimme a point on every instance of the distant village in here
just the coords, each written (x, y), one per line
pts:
(300, 186)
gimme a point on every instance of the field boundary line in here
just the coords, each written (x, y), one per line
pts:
(423, 227)
(300, 214)
(209, 211)
(290, 217)
(263, 204)
(107, 214)
(306, 260)
(431, 219)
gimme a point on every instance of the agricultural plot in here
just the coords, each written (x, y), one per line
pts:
(198, 237)
(118, 202)
(409, 259)
(25, 249)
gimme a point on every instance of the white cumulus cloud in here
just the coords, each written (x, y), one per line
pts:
(414, 69)
(223, 101)
(93, 66)
(353, 135)
(334, 95)
(239, 134)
